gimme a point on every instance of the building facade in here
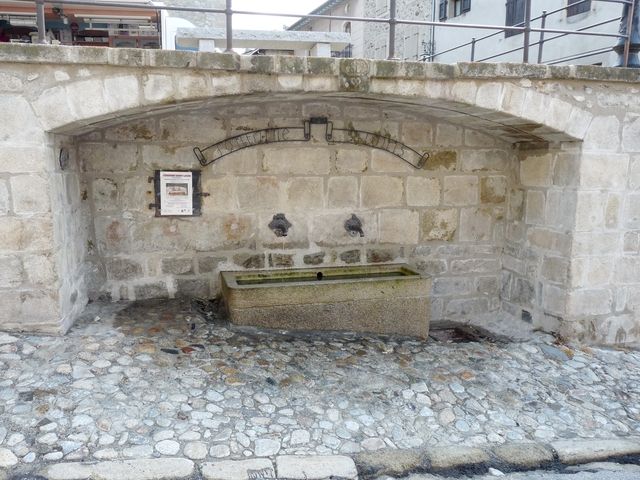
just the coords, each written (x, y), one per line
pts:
(416, 42)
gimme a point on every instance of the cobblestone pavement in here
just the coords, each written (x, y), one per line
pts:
(155, 379)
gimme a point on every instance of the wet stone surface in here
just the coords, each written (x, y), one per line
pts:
(155, 379)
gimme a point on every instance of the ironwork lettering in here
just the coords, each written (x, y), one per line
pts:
(214, 152)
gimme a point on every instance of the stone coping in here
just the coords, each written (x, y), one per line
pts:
(290, 65)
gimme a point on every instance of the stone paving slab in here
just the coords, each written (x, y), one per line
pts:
(153, 380)
(315, 467)
(142, 469)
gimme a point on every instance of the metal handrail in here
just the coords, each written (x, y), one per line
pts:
(542, 30)
(391, 20)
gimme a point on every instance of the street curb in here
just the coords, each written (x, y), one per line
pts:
(447, 460)
(507, 458)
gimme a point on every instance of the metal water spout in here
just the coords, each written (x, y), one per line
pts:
(627, 50)
(280, 225)
(353, 226)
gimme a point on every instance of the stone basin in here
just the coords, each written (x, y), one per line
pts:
(384, 299)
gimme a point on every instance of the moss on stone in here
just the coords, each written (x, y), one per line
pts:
(441, 160)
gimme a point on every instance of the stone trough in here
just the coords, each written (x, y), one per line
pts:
(384, 299)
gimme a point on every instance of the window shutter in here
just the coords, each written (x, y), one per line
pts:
(509, 19)
(466, 5)
(443, 10)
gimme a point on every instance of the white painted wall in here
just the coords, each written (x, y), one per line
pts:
(493, 12)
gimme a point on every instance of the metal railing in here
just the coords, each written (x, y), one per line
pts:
(525, 26)
(392, 21)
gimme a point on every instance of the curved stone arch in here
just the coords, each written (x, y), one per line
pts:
(78, 102)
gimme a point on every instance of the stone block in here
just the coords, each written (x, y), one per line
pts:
(475, 224)
(475, 265)
(554, 299)
(143, 468)
(571, 452)
(193, 287)
(524, 455)
(439, 224)
(244, 161)
(222, 194)
(30, 194)
(560, 208)
(315, 467)
(631, 133)
(632, 211)
(22, 127)
(417, 133)
(535, 207)
(452, 286)
(566, 169)
(590, 210)
(314, 258)
(158, 88)
(297, 235)
(631, 242)
(137, 194)
(604, 170)
(473, 138)
(493, 189)
(162, 157)
(209, 264)
(423, 192)
(105, 194)
(115, 158)
(25, 159)
(122, 269)
(448, 135)
(603, 134)
(350, 256)
(281, 260)
(612, 211)
(26, 234)
(156, 289)
(377, 191)
(442, 160)
(596, 243)
(239, 469)
(40, 269)
(177, 266)
(460, 190)
(516, 204)
(261, 192)
(484, 160)
(634, 173)
(298, 161)
(138, 130)
(194, 128)
(4, 198)
(329, 229)
(305, 193)
(399, 226)
(342, 192)
(555, 269)
(536, 170)
(384, 162)
(590, 302)
(249, 260)
(11, 271)
(383, 255)
(352, 160)
(627, 269)
(122, 92)
(466, 307)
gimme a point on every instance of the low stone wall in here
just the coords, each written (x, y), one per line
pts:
(447, 218)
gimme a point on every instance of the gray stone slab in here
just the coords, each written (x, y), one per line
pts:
(143, 469)
(529, 455)
(445, 458)
(238, 469)
(315, 467)
(582, 451)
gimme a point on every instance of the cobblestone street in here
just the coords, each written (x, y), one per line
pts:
(154, 379)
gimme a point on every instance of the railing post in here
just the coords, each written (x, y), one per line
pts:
(527, 31)
(543, 24)
(40, 21)
(392, 30)
(473, 49)
(628, 48)
(228, 15)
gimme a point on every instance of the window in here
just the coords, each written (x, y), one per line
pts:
(460, 7)
(515, 16)
(581, 7)
(442, 10)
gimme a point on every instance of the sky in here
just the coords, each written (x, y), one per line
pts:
(276, 6)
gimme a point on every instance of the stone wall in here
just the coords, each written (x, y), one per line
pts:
(447, 218)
